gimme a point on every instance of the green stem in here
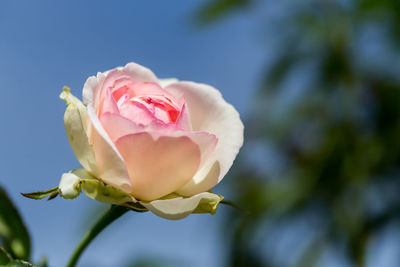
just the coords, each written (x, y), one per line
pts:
(111, 215)
(232, 204)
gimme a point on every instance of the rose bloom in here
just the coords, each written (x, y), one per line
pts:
(151, 138)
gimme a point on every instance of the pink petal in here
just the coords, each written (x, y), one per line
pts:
(108, 104)
(158, 167)
(136, 112)
(111, 167)
(148, 88)
(206, 142)
(209, 112)
(117, 126)
(183, 120)
(133, 71)
(118, 93)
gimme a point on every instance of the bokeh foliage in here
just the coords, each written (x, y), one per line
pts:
(15, 243)
(327, 116)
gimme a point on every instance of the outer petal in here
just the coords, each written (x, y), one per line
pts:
(111, 166)
(209, 112)
(75, 127)
(165, 82)
(179, 207)
(158, 167)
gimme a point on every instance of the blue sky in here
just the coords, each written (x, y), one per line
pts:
(45, 45)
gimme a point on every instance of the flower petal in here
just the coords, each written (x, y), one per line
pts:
(118, 126)
(183, 120)
(179, 207)
(111, 166)
(134, 72)
(137, 112)
(160, 166)
(75, 127)
(69, 186)
(96, 86)
(206, 142)
(209, 112)
(108, 104)
(165, 82)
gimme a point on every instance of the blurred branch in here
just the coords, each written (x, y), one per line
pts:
(217, 9)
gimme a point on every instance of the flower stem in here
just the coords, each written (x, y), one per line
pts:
(111, 215)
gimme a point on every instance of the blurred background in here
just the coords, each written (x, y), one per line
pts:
(316, 82)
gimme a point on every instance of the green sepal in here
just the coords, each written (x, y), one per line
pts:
(51, 193)
(234, 205)
(136, 206)
(97, 190)
(78, 179)
(207, 206)
(172, 206)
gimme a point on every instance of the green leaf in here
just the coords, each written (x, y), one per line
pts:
(13, 232)
(4, 256)
(42, 194)
(19, 263)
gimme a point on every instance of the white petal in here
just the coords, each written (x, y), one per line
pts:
(69, 186)
(209, 112)
(111, 166)
(165, 82)
(139, 73)
(179, 207)
(90, 88)
(75, 126)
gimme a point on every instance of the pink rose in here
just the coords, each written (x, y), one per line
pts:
(150, 137)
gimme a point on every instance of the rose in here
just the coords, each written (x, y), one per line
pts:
(152, 139)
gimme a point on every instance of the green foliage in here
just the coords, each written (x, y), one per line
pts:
(4, 257)
(19, 263)
(215, 9)
(338, 142)
(14, 236)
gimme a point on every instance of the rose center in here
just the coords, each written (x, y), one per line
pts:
(144, 106)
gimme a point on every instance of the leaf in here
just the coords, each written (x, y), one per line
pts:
(19, 263)
(12, 229)
(42, 194)
(4, 257)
